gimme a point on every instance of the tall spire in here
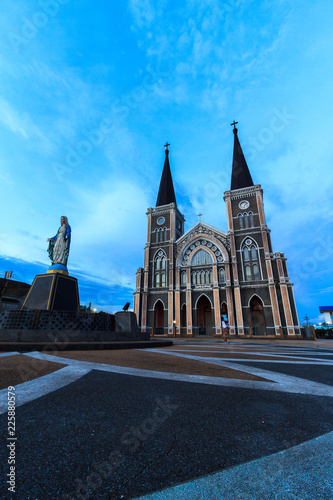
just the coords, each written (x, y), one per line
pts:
(240, 176)
(166, 193)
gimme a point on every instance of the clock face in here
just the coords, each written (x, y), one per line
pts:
(160, 220)
(243, 204)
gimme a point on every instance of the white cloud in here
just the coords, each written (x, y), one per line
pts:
(220, 61)
(144, 12)
(19, 123)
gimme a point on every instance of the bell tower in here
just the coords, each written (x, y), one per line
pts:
(165, 225)
(264, 301)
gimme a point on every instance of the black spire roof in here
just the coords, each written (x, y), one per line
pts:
(166, 193)
(240, 176)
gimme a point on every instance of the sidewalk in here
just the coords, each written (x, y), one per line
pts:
(319, 343)
(305, 470)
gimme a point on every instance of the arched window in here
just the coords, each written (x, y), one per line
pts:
(251, 219)
(246, 253)
(156, 235)
(203, 276)
(240, 221)
(248, 273)
(183, 279)
(222, 275)
(201, 257)
(254, 255)
(246, 220)
(256, 272)
(160, 269)
(251, 261)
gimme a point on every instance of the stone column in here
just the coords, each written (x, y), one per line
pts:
(177, 300)
(285, 296)
(217, 307)
(189, 324)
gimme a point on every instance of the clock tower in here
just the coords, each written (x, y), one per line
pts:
(154, 295)
(262, 292)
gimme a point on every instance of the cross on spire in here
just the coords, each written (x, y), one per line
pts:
(233, 124)
(199, 215)
(166, 146)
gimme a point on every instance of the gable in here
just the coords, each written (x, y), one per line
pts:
(203, 235)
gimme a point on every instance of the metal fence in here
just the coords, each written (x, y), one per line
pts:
(258, 331)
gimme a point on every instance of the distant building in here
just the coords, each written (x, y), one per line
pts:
(327, 311)
(190, 278)
(12, 293)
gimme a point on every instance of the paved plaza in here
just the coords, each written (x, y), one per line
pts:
(196, 420)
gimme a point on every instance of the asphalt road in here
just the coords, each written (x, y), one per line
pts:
(111, 436)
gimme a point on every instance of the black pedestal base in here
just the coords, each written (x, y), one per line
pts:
(53, 292)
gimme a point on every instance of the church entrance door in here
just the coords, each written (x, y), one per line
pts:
(205, 316)
(159, 318)
(258, 322)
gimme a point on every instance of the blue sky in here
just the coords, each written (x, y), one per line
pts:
(89, 94)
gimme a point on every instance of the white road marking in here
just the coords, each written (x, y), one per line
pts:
(251, 353)
(285, 383)
(75, 369)
(34, 389)
(3, 354)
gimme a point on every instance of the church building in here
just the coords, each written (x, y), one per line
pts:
(190, 278)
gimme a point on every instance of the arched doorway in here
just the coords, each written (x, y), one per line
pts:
(159, 318)
(205, 316)
(258, 322)
(224, 309)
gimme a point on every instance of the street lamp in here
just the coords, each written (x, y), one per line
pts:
(95, 309)
(174, 328)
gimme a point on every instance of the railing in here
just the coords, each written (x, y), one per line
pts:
(159, 331)
(203, 330)
(258, 331)
(324, 331)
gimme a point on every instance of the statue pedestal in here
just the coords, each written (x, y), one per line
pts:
(53, 291)
(126, 322)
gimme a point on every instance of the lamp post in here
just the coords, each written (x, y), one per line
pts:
(174, 328)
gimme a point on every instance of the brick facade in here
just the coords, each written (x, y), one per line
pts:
(189, 278)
